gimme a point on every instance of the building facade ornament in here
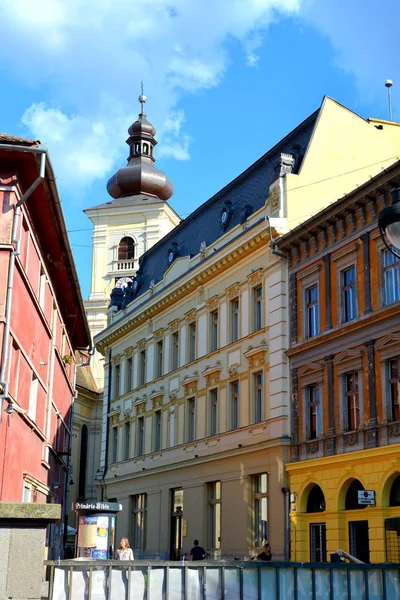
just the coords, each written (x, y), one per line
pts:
(256, 355)
(174, 326)
(233, 371)
(255, 278)
(233, 291)
(190, 316)
(159, 334)
(212, 303)
(189, 383)
(212, 375)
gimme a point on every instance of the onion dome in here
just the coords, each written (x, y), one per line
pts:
(140, 176)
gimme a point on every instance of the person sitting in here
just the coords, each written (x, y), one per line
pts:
(197, 552)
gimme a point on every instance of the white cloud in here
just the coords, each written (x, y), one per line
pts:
(90, 58)
(364, 35)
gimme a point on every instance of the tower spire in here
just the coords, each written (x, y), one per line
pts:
(140, 176)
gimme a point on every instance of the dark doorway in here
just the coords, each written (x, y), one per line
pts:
(317, 542)
(176, 524)
(359, 540)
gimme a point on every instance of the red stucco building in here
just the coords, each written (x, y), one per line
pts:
(43, 333)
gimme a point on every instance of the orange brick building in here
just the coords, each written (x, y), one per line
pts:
(344, 299)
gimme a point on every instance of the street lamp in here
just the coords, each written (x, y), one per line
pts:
(389, 223)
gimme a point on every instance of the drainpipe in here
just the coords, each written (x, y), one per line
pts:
(286, 493)
(108, 423)
(66, 497)
(11, 268)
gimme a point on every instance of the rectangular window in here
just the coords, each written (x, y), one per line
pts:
(352, 402)
(117, 380)
(127, 444)
(349, 299)
(114, 455)
(139, 521)
(257, 308)
(312, 311)
(214, 330)
(213, 421)
(214, 515)
(129, 374)
(159, 358)
(317, 542)
(142, 367)
(27, 494)
(192, 342)
(260, 509)
(140, 436)
(391, 277)
(42, 288)
(234, 393)
(33, 396)
(234, 312)
(394, 389)
(157, 430)
(258, 397)
(191, 430)
(175, 351)
(314, 425)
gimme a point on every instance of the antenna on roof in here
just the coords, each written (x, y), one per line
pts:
(388, 84)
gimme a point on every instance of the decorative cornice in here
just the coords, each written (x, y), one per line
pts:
(128, 352)
(174, 326)
(173, 294)
(190, 383)
(233, 291)
(173, 396)
(233, 371)
(141, 345)
(256, 355)
(255, 278)
(140, 408)
(310, 368)
(116, 360)
(212, 374)
(159, 334)
(190, 316)
(389, 340)
(347, 355)
(212, 303)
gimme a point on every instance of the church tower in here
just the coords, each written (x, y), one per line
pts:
(135, 217)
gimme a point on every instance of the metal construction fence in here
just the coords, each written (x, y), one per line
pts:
(212, 580)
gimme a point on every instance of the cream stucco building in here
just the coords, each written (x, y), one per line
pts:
(135, 217)
(196, 400)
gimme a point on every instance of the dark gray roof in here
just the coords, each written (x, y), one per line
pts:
(251, 187)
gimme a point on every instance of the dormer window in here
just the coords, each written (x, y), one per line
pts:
(126, 249)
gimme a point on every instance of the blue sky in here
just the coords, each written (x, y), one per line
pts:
(225, 80)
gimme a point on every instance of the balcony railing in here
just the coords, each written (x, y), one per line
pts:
(127, 266)
(160, 580)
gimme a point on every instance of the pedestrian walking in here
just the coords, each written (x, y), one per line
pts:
(197, 552)
(265, 554)
(124, 551)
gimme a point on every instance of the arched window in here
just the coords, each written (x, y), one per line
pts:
(394, 499)
(126, 249)
(145, 148)
(316, 500)
(82, 463)
(137, 148)
(351, 502)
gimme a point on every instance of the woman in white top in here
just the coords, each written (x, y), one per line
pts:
(124, 551)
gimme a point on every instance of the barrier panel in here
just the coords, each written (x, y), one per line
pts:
(217, 580)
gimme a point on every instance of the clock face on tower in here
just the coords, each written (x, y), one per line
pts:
(122, 282)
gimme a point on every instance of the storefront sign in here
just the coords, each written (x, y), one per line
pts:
(98, 506)
(366, 497)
